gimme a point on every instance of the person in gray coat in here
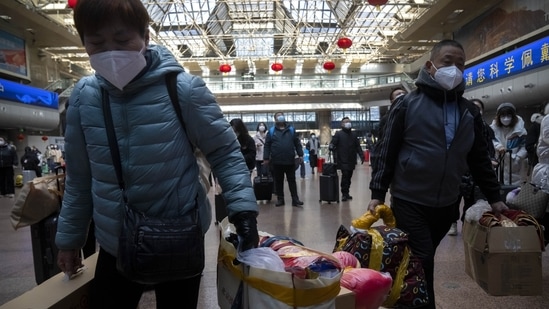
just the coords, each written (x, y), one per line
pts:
(159, 168)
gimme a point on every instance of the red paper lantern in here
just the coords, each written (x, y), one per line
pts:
(344, 43)
(225, 68)
(44, 138)
(71, 3)
(329, 66)
(377, 3)
(20, 137)
(277, 67)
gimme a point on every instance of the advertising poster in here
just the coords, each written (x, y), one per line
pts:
(13, 56)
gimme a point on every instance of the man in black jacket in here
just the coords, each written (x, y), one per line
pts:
(346, 146)
(432, 137)
(281, 145)
(8, 160)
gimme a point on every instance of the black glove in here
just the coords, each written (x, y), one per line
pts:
(246, 227)
(331, 147)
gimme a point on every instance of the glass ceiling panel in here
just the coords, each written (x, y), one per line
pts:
(229, 30)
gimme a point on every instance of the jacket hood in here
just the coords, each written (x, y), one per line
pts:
(426, 83)
(536, 117)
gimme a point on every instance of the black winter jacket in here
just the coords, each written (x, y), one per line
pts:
(346, 146)
(8, 156)
(414, 160)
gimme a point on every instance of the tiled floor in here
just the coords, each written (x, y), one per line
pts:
(315, 225)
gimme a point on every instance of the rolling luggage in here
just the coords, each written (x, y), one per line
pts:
(329, 167)
(263, 186)
(329, 188)
(44, 250)
(505, 188)
(329, 182)
(28, 175)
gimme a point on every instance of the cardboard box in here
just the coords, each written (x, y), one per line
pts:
(503, 260)
(55, 293)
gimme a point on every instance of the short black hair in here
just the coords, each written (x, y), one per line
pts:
(345, 118)
(395, 90)
(438, 46)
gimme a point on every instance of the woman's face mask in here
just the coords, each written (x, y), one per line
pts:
(506, 120)
(119, 67)
(261, 128)
(347, 125)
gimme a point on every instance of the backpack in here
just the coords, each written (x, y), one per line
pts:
(272, 130)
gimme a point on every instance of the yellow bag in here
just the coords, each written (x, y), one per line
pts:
(37, 200)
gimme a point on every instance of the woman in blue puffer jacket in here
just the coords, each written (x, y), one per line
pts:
(159, 169)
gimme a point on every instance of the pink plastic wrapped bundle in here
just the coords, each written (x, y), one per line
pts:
(346, 259)
(371, 287)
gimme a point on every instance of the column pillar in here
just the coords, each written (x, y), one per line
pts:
(324, 120)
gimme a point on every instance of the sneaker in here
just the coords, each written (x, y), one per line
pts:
(346, 197)
(453, 229)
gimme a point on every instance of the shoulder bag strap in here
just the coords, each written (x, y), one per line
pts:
(113, 143)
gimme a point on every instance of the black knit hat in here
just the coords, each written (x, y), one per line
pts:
(506, 105)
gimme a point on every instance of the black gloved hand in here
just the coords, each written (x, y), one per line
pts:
(246, 227)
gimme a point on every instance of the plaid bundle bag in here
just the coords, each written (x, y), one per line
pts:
(385, 248)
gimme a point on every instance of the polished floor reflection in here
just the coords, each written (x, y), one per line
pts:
(315, 225)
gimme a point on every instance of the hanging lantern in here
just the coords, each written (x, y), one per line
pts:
(344, 43)
(329, 66)
(225, 68)
(20, 136)
(377, 3)
(71, 3)
(277, 67)
(44, 138)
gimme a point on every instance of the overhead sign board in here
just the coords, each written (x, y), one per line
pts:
(525, 58)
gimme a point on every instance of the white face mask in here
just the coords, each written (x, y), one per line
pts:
(2, 142)
(448, 77)
(347, 125)
(261, 128)
(119, 67)
(506, 120)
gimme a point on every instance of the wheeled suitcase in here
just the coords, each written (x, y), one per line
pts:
(263, 187)
(329, 167)
(505, 188)
(44, 250)
(329, 188)
(28, 175)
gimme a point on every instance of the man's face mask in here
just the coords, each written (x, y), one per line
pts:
(119, 67)
(448, 77)
(347, 125)
(506, 120)
(280, 118)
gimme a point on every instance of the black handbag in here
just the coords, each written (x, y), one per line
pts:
(153, 250)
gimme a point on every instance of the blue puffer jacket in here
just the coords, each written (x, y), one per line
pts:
(158, 165)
